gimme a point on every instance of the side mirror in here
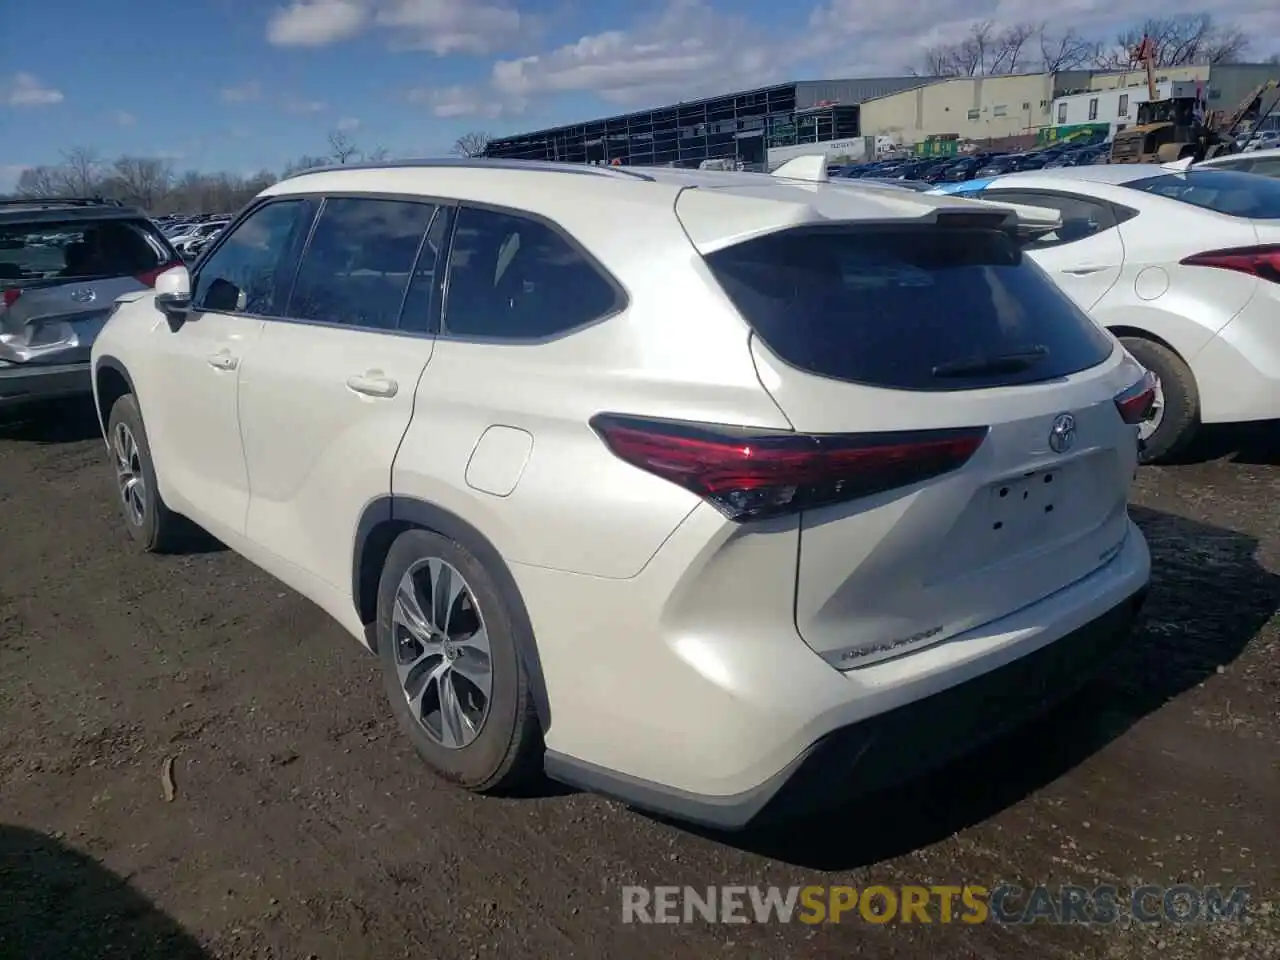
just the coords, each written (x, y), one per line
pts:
(173, 295)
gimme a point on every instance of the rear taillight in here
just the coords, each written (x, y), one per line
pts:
(750, 474)
(1136, 403)
(1263, 262)
(149, 278)
(11, 296)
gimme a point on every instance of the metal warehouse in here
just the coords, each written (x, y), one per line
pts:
(737, 128)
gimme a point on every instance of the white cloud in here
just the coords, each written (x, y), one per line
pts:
(448, 102)
(693, 48)
(242, 93)
(453, 26)
(348, 124)
(304, 107)
(25, 90)
(442, 27)
(315, 24)
(9, 174)
(123, 118)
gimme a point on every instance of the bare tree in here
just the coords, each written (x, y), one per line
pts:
(471, 144)
(1008, 49)
(140, 180)
(342, 147)
(377, 155)
(39, 182)
(80, 172)
(1064, 51)
(1179, 42)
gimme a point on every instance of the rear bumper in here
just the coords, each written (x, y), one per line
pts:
(1238, 371)
(25, 383)
(890, 748)
(803, 736)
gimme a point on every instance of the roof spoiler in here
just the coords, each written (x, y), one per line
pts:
(1032, 222)
(812, 167)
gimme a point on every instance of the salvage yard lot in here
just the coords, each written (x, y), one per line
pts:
(304, 826)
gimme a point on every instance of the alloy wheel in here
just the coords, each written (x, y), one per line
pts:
(442, 653)
(130, 479)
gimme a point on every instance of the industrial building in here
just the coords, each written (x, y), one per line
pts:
(971, 108)
(1111, 108)
(753, 128)
(1112, 99)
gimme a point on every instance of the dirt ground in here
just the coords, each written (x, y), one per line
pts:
(303, 826)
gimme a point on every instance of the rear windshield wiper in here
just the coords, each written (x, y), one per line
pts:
(1014, 362)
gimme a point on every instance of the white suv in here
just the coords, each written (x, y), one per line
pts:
(683, 486)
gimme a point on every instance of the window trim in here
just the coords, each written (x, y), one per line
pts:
(253, 207)
(1119, 211)
(621, 302)
(318, 200)
(432, 320)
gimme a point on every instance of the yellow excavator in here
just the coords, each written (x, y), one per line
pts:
(1175, 128)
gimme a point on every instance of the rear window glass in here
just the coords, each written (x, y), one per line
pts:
(911, 308)
(77, 250)
(1231, 192)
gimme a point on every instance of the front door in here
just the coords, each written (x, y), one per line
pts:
(327, 395)
(195, 430)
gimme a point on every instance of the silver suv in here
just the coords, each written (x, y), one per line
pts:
(63, 262)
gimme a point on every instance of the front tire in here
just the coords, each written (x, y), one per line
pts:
(451, 666)
(1177, 415)
(151, 524)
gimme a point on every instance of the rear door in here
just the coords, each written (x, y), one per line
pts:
(1086, 254)
(328, 392)
(886, 330)
(61, 279)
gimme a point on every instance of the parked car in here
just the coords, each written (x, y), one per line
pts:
(670, 512)
(62, 264)
(1263, 162)
(1184, 267)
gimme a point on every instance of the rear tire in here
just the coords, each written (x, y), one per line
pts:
(433, 654)
(1179, 417)
(151, 524)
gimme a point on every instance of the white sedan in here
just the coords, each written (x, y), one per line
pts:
(1264, 162)
(1183, 266)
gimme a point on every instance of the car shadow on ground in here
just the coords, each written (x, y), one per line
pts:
(1251, 443)
(60, 421)
(1209, 598)
(58, 903)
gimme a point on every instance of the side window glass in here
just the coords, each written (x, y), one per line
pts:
(1081, 217)
(357, 265)
(422, 304)
(250, 272)
(516, 278)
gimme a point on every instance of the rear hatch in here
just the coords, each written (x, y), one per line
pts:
(899, 330)
(59, 280)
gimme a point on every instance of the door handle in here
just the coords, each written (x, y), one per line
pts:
(372, 385)
(223, 361)
(1085, 271)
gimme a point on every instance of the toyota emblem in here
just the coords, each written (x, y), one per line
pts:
(1063, 434)
(84, 295)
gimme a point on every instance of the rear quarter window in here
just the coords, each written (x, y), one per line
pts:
(1231, 192)
(911, 308)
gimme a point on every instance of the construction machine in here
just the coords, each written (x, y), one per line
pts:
(1177, 127)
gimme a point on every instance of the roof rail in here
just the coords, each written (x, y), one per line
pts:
(60, 202)
(479, 163)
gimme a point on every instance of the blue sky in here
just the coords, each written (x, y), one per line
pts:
(240, 85)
